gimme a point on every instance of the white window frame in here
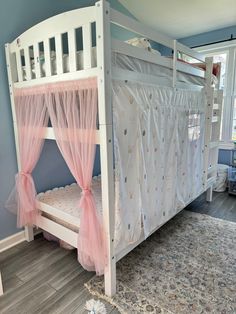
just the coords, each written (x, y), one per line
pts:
(230, 87)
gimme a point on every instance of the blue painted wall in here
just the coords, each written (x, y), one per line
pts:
(200, 39)
(51, 170)
(209, 37)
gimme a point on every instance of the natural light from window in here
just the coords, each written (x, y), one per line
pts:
(227, 57)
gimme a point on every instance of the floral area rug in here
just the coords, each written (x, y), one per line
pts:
(188, 266)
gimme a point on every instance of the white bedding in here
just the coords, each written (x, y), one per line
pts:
(66, 199)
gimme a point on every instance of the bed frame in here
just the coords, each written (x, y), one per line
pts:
(104, 16)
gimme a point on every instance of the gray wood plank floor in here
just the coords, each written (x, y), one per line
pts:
(40, 277)
(222, 206)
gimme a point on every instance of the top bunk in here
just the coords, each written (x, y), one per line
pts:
(76, 44)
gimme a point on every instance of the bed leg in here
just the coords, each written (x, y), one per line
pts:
(110, 278)
(209, 193)
(29, 233)
(1, 287)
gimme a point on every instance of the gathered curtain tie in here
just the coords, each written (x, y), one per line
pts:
(22, 176)
(25, 174)
(26, 196)
(86, 192)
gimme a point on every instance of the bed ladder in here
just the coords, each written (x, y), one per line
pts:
(212, 131)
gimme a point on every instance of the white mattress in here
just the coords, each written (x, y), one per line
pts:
(66, 200)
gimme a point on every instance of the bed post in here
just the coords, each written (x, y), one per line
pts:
(103, 37)
(209, 90)
(1, 287)
(175, 52)
(12, 77)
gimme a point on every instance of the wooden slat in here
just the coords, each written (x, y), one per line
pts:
(19, 66)
(87, 45)
(190, 52)
(139, 53)
(220, 104)
(57, 24)
(106, 146)
(57, 230)
(215, 119)
(58, 213)
(1, 286)
(212, 169)
(47, 57)
(28, 69)
(216, 106)
(72, 50)
(213, 145)
(50, 135)
(132, 25)
(174, 65)
(187, 68)
(211, 181)
(37, 61)
(82, 74)
(208, 119)
(59, 54)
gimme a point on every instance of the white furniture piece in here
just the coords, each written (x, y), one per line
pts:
(1, 287)
(35, 71)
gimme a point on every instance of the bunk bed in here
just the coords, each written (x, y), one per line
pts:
(158, 122)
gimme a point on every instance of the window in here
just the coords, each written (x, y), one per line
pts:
(234, 121)
(226, 54)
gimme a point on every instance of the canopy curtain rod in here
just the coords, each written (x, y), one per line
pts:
(215, 42)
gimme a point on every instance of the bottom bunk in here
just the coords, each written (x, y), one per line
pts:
(61, 204)
(60, 215)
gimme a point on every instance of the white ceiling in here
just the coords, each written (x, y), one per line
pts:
(182, 18)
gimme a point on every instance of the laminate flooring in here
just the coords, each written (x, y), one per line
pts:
(41, 278)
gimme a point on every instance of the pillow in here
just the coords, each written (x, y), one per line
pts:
(142, 43)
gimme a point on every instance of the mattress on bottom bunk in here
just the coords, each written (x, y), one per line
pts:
(66, 201)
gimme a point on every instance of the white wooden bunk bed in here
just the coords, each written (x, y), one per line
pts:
(105, 62)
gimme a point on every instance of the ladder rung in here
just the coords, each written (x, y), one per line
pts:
(213, 144)
(216, 106)
(210, 181)
(215, 119)
(212, 169)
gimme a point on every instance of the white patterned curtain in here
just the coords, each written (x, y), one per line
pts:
(159, 137)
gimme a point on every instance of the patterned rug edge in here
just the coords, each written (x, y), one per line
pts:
(143, 300)
(102, 296)
(207, 217)
(123, 305)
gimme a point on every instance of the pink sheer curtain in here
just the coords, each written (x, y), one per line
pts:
(32, 118)
(72, 108)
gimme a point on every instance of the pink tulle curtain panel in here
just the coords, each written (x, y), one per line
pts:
(32, 118)
(72, 108)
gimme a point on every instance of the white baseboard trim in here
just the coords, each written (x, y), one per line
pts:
(11, 241)
(15, 239)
